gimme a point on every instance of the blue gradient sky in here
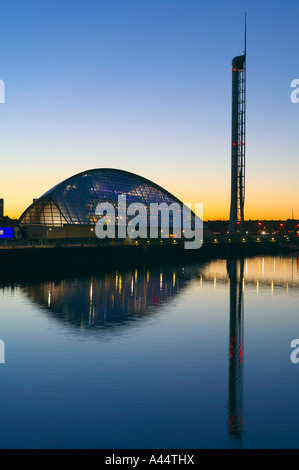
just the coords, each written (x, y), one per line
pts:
(145, 85)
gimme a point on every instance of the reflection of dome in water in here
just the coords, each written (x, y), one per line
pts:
(111, 299)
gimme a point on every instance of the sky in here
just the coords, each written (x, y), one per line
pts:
(145, 86)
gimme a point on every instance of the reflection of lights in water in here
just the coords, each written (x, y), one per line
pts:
(231, 348)
(136, 275)
(116, 293)
(108, 299)
(90, 292)
(260, 270)
(241, 351)
(91, 315)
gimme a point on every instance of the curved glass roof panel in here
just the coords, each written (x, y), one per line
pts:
(74, 201)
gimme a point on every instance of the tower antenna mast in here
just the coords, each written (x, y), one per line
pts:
(245, 34)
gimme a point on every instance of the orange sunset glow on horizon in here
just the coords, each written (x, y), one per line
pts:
(266, 204)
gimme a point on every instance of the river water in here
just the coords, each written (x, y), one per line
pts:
(182, 357)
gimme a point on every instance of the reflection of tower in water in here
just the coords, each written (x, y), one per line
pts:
(235, 271)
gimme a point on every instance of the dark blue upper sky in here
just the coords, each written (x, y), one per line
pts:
(145, 85)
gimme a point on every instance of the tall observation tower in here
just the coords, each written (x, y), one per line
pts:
(236, 220)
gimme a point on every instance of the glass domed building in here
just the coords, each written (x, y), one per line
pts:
(68, 210)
